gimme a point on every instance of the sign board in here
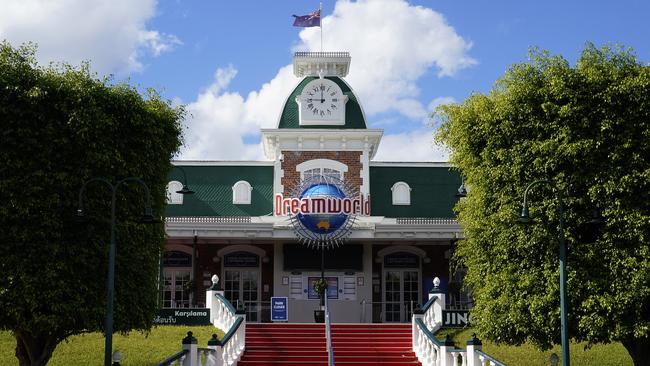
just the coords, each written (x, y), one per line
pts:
(241, 259)
(177, 259)
(455, 318)
(322, 210)
(401, 260)
(183, 316)
(279, 309)
(332, 288)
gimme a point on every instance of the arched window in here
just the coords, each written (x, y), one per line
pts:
(174, 198)
(324, 167)
(241, 193)
(401, 194)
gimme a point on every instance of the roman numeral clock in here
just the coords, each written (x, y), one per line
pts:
(322, 103)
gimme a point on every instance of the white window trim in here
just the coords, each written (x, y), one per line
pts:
(321, 164)
(246, 200)
(174, 198)
(395, 188)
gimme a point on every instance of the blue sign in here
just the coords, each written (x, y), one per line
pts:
(279, 309)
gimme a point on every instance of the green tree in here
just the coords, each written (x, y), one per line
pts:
(60, 127)
(586, 128)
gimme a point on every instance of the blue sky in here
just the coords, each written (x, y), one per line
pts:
(228, 60)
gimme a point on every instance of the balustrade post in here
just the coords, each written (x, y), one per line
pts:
(190, 344)
(440, 302)
(446, 358)
(217, 355)
(473, 344)
(210, 297)
(418, 313)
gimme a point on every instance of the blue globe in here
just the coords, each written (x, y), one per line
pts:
(322, 224)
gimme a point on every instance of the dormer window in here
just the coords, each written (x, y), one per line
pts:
(322, 167)
(401, 194)
(241, 193)
(174, 198)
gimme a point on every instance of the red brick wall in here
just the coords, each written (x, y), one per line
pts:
(292, 158)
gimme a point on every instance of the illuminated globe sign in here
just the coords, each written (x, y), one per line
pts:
(322, 210)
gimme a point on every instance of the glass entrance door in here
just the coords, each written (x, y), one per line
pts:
(175, 291)
(242, 287)
(401, 290)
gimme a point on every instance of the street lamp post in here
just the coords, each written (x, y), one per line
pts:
(525, 218)
(110, 281)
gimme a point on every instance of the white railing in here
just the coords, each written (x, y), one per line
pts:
(328, 333)
(430, 351)
(487, 360)
(220, 352)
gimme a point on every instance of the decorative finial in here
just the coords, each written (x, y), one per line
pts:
(436, 282)
(215, 280)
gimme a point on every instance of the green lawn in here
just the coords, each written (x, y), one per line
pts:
(613, 354)
(137, 349)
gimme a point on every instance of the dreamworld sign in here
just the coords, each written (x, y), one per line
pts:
(322, 210)
(321, 205)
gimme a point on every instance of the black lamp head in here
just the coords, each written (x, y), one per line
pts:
(597, 218)
(185, 190)
(80, 216)
(148, 217)
(462, 191)
(524, 218)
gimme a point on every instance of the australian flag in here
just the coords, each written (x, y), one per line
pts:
(309, 20)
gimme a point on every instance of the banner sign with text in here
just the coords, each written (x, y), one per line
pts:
(183, 316)
(455, 318)
(279, 309)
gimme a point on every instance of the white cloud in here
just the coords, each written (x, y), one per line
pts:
(111, 34)
(392, 44)
(440, 101)
(220, 119)
(416, 145)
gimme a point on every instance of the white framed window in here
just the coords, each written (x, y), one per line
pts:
(241, 193)
(325, 167)
(401, 194)
(174, 198)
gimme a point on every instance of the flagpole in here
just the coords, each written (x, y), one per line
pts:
(320, 21)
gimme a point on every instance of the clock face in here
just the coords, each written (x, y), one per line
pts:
(322, 100)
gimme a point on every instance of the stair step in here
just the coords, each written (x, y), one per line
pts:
(294, 344)
(301, 363)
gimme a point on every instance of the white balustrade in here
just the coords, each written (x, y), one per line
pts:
(224, 352)
(432, 352)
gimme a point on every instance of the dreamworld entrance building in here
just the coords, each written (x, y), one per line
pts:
(245, 222)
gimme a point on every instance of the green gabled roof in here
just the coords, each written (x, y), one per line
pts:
(433, 191)
(353, 114)
(213, 187)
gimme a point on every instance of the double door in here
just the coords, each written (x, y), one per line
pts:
(241, 288)
(176, 288)
(401, 294)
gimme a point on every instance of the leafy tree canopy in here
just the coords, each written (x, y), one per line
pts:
(586, 128)
(60, 126)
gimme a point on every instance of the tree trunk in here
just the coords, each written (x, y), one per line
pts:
(34, 350)
(639, 349)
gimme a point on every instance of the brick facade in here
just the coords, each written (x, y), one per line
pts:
(292, 158)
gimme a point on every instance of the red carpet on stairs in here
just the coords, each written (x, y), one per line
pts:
(304, 344)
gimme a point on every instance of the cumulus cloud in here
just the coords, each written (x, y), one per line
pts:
(416, 145)
(111, 34)
(219, 120)
(392, 44)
